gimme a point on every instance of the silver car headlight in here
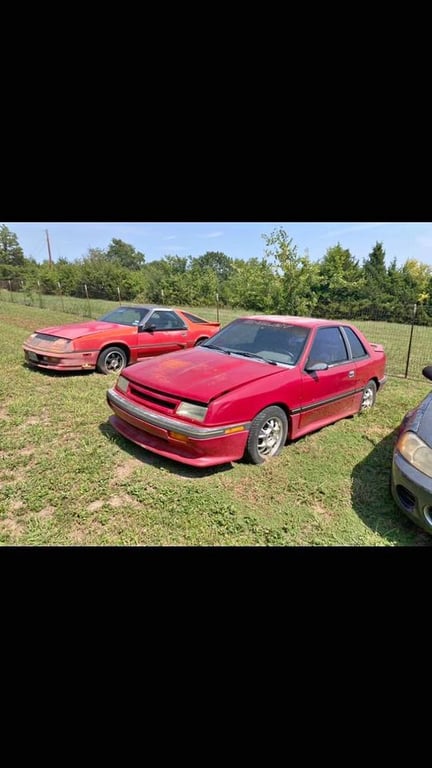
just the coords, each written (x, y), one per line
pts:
(191, 411)
(416, 452)
(122, 384)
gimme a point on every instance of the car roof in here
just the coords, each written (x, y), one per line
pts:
(149, 306)
(308, 322)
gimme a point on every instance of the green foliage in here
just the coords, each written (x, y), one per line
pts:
(280, 282)
(124, 255)
(297, 274)
(11, 253)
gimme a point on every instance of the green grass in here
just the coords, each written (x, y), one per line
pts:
(67, 479)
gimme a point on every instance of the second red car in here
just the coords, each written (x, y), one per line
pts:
(123, 336)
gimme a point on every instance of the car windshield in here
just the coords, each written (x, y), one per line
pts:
(271, 341)
(126, 315)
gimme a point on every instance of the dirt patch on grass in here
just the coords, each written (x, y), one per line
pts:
(124, 501)
(43, 417)
(46, 513)
(12, 526)
(16, 505)
(322, 513)
(26, 451)
(94, 506)
(123, 471)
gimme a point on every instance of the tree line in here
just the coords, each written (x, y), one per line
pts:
(282, 281)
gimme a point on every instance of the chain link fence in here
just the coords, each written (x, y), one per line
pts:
(408, 343)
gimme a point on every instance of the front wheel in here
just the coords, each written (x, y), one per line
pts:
(111, 360)
(267, 435)
(368, 396)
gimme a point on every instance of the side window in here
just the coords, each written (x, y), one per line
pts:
(166, 320)
(356, 345)
(328, 347)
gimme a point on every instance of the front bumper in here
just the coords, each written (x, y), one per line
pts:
(175, 439)
(66, 361)
(412, 492)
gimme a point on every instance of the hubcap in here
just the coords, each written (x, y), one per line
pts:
(114, 362)
(270, 436)
(367, 401)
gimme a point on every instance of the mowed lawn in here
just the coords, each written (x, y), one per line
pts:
(67, 479)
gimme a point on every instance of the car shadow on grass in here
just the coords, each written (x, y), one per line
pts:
(373, 502)
(147, 457)
(55, 374)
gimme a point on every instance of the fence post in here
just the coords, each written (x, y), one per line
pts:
(162, 294)
(410, 340)
(119, 297)
(217, 307)
(61, 295)
(40, 294)
(88, 300)
(10, 289)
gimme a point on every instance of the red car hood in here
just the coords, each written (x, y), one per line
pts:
(199, 374)
(75, 330)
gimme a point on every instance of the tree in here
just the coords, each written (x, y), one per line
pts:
(254, 286)
(298, 275)
(11, 253)
(375, 272)
(341, 282)
(124, 255)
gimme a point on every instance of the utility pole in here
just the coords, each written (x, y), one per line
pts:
(49, 249)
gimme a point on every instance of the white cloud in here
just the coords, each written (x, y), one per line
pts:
(173, 248)
(354, 228)
(211, 234)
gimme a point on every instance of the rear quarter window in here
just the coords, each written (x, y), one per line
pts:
(356, 345)
(194, 318)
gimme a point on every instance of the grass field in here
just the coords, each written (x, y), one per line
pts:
(67, 479)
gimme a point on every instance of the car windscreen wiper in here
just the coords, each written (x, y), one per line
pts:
(218, 349)
(251, 354)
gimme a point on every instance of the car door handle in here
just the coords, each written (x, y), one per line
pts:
(351, 374)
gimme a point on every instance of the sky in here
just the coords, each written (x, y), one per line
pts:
(238, 240)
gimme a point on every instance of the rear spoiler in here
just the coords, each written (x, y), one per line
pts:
(377, 347)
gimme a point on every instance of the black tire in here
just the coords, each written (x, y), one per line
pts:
(267, 435)
(200, 340)
(112, 360)
(368, 396)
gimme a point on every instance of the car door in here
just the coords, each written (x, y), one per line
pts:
(164, 331)
(327, 395)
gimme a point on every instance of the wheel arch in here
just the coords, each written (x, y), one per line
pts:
(284, 407)
(120, 344)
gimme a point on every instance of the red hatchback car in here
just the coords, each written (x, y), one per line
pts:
(257, 382)
(122, 337)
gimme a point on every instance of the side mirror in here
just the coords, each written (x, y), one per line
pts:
(316, 367)
(148, 327)
(427, 372)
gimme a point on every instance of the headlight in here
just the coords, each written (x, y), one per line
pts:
(122, 384)
(416, 452)
(191, 411)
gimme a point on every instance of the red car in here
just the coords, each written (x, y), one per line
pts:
(117, 339)
(259, 381)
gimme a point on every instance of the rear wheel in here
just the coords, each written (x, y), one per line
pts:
(267, 435)
(111, 360)
(368, 397)
(200, 341)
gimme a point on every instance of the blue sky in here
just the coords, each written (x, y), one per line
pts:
(242, 240)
